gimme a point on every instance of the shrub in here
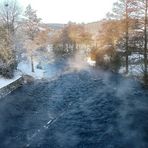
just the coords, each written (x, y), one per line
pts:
(7, 69)
(108, 60)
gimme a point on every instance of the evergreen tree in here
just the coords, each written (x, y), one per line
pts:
(123, 10)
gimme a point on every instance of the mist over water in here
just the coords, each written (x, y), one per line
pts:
(82, 107)
(78, 61)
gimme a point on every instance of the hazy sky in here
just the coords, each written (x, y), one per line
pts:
(63, 11)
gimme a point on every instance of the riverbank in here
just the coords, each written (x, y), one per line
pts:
(9, 85)
(4, 82)
(25, 68)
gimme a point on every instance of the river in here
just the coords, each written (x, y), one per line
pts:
(86, 108)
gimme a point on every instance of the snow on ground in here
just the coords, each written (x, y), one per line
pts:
(4, 82)
(135, 70)
(135, 66)
(91, 62)
(136, 57)
(25, 68)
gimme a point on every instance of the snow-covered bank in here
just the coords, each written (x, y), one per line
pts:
(9, 85)
(91, 62)
(134, 70)
(25, 68)
(4, 82)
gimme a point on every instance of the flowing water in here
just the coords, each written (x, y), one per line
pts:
(78, 109)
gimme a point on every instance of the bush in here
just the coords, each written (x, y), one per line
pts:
(8, 62)
(115, 62)
(7, 69)
(108, 60)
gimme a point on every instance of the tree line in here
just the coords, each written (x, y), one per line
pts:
(124, 33)
(120, 35)
(70, 39)
(134, 16)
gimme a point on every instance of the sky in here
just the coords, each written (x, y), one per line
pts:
(63, 11)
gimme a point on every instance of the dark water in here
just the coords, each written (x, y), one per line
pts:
(81, 109)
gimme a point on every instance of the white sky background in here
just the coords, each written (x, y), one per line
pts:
(63, 11)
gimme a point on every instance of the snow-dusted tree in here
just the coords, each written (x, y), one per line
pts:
(142, 12)
(9, 16)
(31, 27)
(124, 10)
(7, 57)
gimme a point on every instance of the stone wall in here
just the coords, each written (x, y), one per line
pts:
(11, 87)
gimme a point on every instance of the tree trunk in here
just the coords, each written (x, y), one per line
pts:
(32, 64)
(127, 38)
(145, 45)
(74, 46)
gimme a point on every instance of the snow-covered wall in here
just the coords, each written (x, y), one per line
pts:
(10, 87)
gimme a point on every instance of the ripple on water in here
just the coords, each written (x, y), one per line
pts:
(76, 110)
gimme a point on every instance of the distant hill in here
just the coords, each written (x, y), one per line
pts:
(93, 27)
(55, 26)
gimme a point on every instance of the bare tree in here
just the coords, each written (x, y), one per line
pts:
(10, 15)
